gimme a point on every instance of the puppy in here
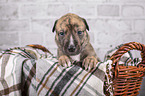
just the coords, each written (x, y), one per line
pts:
(73, 43)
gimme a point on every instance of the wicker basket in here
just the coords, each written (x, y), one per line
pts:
(127, 79)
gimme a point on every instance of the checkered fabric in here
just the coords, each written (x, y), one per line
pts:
(28, 72)
(17, 72)
(55, 80)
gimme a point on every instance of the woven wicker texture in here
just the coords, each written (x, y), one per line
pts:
(127, 79)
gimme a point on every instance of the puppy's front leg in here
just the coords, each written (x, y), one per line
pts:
(89, 58)
(63, 60)
(90, 62)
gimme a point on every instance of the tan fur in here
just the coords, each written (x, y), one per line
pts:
(69, 25)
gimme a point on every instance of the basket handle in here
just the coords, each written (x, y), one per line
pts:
(125, 48)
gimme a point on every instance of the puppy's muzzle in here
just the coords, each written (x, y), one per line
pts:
(71, 48)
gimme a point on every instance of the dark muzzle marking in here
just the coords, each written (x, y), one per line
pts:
(71, 48)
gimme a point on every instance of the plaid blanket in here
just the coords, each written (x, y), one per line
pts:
(72, 81)
(17, 72)
(30, 72)
(25, 71)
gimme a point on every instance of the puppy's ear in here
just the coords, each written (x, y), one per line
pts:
(54, 26)
(86, 24)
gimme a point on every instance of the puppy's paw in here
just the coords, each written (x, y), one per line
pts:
(64, 61)
(90, 62)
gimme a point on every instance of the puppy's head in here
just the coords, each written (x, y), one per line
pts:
(71, 34)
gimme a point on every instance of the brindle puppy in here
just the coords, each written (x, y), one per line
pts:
(73, 41)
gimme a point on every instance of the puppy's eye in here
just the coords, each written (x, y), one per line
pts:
(61, 33)
(80, 32)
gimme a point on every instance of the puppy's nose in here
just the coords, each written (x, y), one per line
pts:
(71, 48)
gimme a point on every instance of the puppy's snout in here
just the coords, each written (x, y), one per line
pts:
(71, 48)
